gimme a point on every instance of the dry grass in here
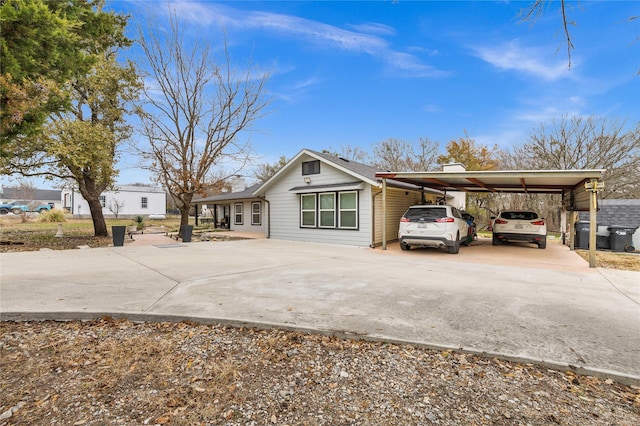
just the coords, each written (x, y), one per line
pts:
(614, 260)
(32, 235)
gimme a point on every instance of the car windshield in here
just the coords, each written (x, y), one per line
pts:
(426, 215)
(519, 215)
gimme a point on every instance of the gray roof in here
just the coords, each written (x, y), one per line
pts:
(230, 196)
(359, 168)
(623, 212)
(11, 193)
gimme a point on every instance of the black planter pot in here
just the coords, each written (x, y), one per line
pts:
(185, 232)
(118, 235)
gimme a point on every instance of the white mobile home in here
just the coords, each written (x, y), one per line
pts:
(318, 197)
(124, 201)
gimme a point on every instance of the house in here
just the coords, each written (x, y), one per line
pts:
(37, 196)
(124, 201)
(322, 198)
(238, 210)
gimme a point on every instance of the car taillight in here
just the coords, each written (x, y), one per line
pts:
(445, 219)
(405, 219)
(501, 221)
(538, 222)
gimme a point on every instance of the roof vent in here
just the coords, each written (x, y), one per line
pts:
(344, 159)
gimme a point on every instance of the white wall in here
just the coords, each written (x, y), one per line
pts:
(285, 207)
(130, 202)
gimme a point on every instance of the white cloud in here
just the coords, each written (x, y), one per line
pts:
(374, 28)
(431, 108)
(362, 40)
(529, 60)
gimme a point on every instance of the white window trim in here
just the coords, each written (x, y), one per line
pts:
(236, 214)
(259, 213)
(340, 210)
(333, 209)
(315, 211)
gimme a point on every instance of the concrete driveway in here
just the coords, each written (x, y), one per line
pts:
(540, 305)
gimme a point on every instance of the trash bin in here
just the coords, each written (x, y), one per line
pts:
(582, 235)
(185, 232)
(621, 238)
(118, 235)
(602, 242)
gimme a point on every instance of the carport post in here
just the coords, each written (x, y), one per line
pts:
(593, 187)
(384, 213)
(592, 231)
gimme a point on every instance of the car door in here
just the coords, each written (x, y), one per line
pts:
(462, 225)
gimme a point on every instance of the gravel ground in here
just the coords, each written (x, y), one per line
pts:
(120, 372)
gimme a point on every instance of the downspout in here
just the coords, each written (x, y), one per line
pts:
(268, 216)
(373, 222)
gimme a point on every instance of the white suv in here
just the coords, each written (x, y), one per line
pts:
(433, 226)
(520, 226)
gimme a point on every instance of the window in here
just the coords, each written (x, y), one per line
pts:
(308, 210)
(348, 205)
(238, 214)
(328, 210)
(103, 200)
(324, 209)
(255, 214)
(311, 167)
(144, 202)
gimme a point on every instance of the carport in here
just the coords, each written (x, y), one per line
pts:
(578, 188)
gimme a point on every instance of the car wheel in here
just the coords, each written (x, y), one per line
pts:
(495, 241)
(41, 211)
(4, 211)
(404, 246)
(16, 211)
(542, 244)
(455, 248)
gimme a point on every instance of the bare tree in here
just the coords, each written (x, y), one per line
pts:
(264, 171)
(348, 152)
(115, 206)
(586, 143)
(537, 9)
(27, 191)
(194, 111)
(398, 155)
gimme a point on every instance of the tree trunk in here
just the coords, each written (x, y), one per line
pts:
(99, 225)
(184, 216)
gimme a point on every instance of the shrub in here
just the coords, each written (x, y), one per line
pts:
(139, 221)
(53, 215)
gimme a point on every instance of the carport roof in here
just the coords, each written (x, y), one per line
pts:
(522, 181)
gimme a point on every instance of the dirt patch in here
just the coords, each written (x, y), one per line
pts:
(119, 372)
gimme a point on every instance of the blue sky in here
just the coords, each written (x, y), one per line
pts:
(356, 73)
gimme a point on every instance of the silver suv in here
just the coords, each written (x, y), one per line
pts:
(433, 226)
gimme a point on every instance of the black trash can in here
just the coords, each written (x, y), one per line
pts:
(621, 238)
(118, 235)
(602, 242)
(582, 235)
(185, 232)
